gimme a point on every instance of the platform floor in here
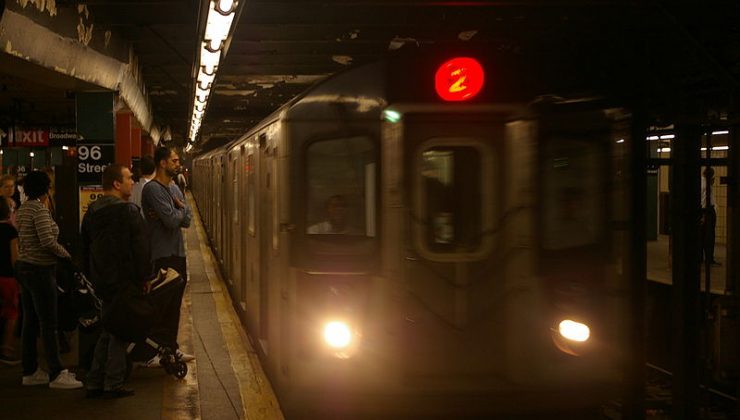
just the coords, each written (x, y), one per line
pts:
(225, 381)
(659, 265)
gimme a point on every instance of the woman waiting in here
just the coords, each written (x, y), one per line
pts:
(7, 190)
(35, 271)
(9, 289)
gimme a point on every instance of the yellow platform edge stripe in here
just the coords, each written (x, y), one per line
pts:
(181, 398)
(258, 398)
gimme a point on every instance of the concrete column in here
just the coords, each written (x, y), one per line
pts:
(136, 142)
(686, 319)
(123, 138)
(95, 124)
(147, 146)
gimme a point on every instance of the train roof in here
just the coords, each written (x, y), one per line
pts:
(406, 76)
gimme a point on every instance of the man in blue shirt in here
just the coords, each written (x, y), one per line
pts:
(166, 213)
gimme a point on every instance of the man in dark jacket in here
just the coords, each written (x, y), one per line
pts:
(116, 261)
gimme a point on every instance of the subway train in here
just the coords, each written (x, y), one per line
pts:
(428, 234)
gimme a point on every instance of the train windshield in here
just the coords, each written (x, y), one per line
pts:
(573, 200)
(341, 187)
(451, 198)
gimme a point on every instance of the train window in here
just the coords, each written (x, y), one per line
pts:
(341, 175)
(451, 201)
(572, 201)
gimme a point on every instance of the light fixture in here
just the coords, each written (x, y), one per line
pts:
(391, 116)
(225, 6)
(574, 331)
(337, 335)
(219, 23)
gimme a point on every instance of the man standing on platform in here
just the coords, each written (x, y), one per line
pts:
(147, 173)
(709, 217)
(166, 214)
(116, 260)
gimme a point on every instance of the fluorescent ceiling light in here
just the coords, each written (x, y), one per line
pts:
(217, 28)
(219, 21)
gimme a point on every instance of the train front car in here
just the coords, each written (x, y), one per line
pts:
(502, 273)
(434, 235)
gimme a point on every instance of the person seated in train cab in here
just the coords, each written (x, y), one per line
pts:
(336, 222)
(440, 206)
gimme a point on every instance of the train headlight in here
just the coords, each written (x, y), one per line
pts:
(574, 331)
(337, 335)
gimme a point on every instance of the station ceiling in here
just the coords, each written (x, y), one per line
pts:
(281, 47)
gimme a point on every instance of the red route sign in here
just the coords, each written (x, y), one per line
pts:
(459, 79)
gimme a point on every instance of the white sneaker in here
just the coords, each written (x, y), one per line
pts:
(151, 363)
(185, 357)
(65, 380)
(38, 378)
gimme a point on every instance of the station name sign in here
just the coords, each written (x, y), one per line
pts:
(92, 160)
(37, 137)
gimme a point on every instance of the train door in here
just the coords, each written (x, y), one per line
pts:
(234, 230)
(226, 221)
(265, 234)
(579, 199)
(222, 219)
(243, 234)
(217, 206)
(253, 252)
(452, 279)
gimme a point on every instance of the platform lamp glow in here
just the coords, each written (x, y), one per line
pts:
(219, 23)
(459, 79)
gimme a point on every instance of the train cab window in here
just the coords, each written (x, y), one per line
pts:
(341, 176)
(572, 196)
(450, 199)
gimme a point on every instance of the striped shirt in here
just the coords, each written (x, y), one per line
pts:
(37, 235)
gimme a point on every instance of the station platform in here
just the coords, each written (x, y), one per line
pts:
(225, 381)
(659, 265)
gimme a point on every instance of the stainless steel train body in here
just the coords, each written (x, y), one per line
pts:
(481, 240)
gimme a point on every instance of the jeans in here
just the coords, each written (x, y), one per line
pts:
(108, 371)
(39, 300)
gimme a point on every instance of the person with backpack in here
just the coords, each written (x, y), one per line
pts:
(115, 258)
